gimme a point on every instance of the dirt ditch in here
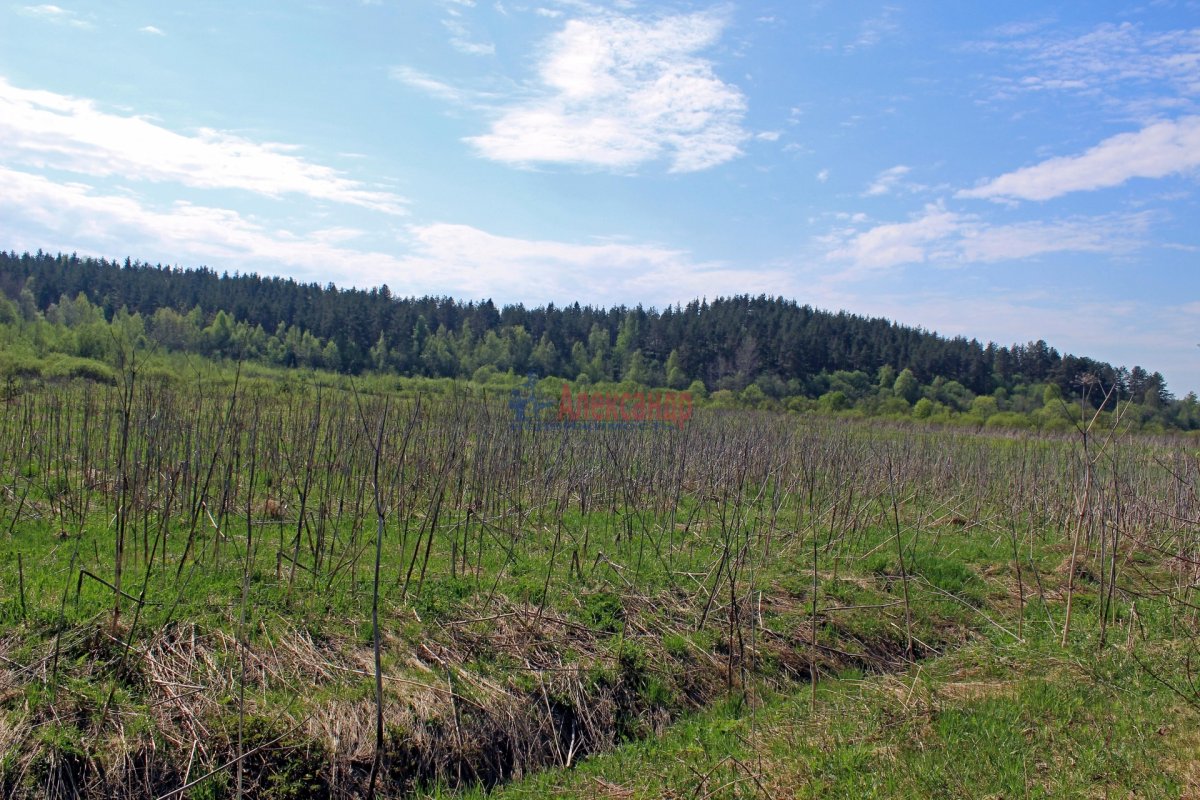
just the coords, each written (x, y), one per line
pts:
(482, 699)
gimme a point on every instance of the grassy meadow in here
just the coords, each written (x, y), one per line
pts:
(231, 583)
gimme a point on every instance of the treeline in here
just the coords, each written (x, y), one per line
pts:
(753, 347)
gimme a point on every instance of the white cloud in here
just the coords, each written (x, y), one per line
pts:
(887, 180)
(617, 92)
(460, 37)
(440, 258)
(895, 243)
(1163, 65)
(946, 237)
(1106, 235)
(152, 30)
(484, 264)
(55, 14)
(473, 48)
(77, 214)
(1158, 150)
(874, 30)
(427, 83)
(48, 130)
(823, 176)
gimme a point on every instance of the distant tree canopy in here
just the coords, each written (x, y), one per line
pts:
(779, 347)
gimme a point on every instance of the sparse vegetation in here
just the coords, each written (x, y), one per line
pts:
(189, 574)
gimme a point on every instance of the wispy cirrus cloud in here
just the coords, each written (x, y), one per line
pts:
(887, 181)
(471, 47)
(56, 15)
(1158, 150)
(617, 92)
(48, 130)
(874, 30)
(152, 30)
(1164, 66)
(939, 236)
(428, 84)
(461, 38)
(1109, 234)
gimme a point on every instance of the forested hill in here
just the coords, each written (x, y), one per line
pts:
(784, 348)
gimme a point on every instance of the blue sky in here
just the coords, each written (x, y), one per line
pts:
(1005, 171)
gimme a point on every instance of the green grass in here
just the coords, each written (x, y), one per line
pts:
(1028, 720)
(645, 596)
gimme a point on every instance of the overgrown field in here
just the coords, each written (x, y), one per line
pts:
(190, 575)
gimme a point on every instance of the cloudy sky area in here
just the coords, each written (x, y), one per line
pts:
(1004, 171)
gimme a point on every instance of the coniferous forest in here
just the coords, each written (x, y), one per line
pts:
(264, 539)
(742, 350)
